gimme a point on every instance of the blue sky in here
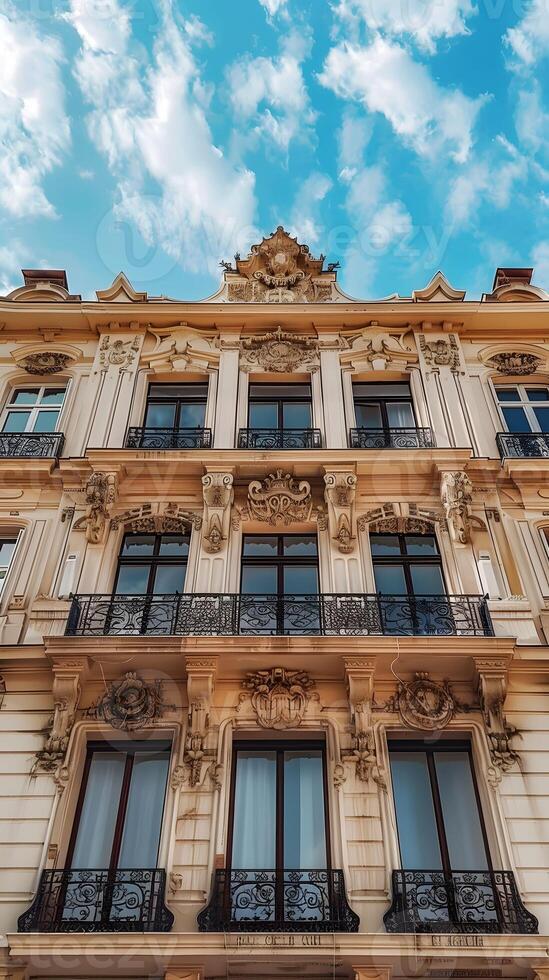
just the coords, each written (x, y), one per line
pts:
(158, 137)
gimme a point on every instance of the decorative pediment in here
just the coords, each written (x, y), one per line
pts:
(170, 519)
(514, 362)
(279, 352)
(120, 291)
(38, 360)
(280, 270)
(370, 350)
(515, 286)
(438, 290)
(182, 348)
(279, 499)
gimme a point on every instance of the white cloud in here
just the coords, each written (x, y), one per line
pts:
(305, 216)
(149, 121)
(491, 179)
(531, 119)
(270, 93)
(273, 7)
(384, 78)
(13, 258)
(196, 31)
(34, 130)
(540, 261)
(353, 137)
(529, 40)
(425, 20)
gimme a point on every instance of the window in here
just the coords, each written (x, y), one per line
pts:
(119, 812)
(7, 548)
(383, 406)
(180, 406)
(33, 409)
(279, 584)
(407, 564)
(279, 406)
(525, 408)
(152, 564)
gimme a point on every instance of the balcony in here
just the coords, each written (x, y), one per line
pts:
(278, 901)
(212, 614)
(99, 901)
(36, 445)
(411, 438)
(148, 438)
(279, 439)
(462, 901)
(523, 445)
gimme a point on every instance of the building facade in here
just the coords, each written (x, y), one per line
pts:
(274, 625)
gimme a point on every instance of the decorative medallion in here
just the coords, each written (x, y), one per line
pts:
(513, 362)
(279, 697)
(424, 704)
(130, 703)
(45, 362)
(440, 353)
(279, 352)
(279, 499)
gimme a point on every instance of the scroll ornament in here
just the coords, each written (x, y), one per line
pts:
(279, 697)
(279, 499)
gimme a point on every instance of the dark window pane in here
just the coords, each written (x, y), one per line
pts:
(304, 827)
(138, 544)
(259, 579)
(508, 395)
(279, 391)
(46, 422)
(542, 415)
(367, 390)
(421, 544)
(25, 396)
(263, 415)
(174, 544)
(538, 394)
(168, 579)
(179, 391)
(417, 829)
(296, 415)
(256, 546)
(368, 416)
(390, 579)
(427, 579)
(460, 811)
(385, 544)
(192, 415)
(132, 579)
(516, 420)
(53, 396)
(300, 545)
(300, 580)
(16, 421)
(160, 416)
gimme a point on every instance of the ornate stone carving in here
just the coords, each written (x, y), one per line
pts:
(339, 776)
(279, 352)
(279, 270)
(216, 772)
(279, 499)
(492, 691)
(66, 695)
(101, 490)
(440, 353)
(200, 688)
(359, 675)
(340, 498)
(218, 493)
(456, 493)
(130, 703)
(45, 362)
(171, 519)
(424, 704)
(514, 362)
(279, 697)
(118, 352)
(175, 882)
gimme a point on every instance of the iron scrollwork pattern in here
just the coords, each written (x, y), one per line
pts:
(461, 901)
(279, 439)
(99, 901)
(149, 438)
(212, 614)
(401, 438)
(39, 445)
(278, 901)
(533, 445)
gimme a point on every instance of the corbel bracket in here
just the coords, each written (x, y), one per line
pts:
(492, 690)
(200, 687)
(359, 676)
(218, 494)
(66, 696)
(339, 494)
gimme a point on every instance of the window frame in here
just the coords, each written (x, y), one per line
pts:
(129, 748)
(382, 401)
(405, 560)
(279, 746)
(179, 401)
(523, 402)
(16, 539)
(33, 409)
(430, 748)
(280, 401)
(280, 560)
(154, 560)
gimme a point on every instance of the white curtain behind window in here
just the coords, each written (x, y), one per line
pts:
(254, 831)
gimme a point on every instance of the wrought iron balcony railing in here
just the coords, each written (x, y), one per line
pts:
(39, 445)
(278, 901)
(523, 445)
(99, 901)
(410, 438)
(148, 438)
(213, 614)
(279, 439)
(463, 901)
